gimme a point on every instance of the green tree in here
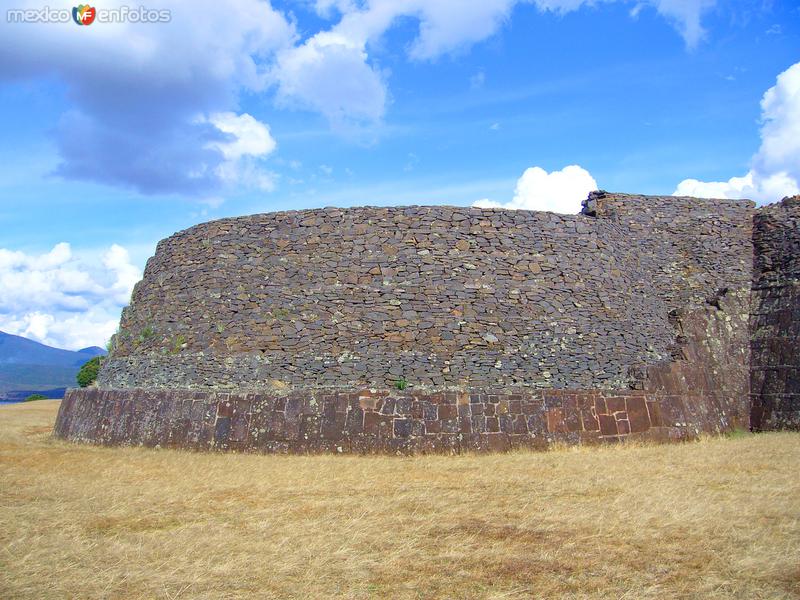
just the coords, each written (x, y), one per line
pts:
(88, 373)
(33, 397)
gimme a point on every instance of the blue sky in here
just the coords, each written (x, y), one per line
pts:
(117, 135)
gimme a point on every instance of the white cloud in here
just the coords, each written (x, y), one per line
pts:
(254, 48)
(559, 191)
(118, 261)
(775, 168)
(735, 187)
(211, 49)
(685, 15)
(247, 141)
(330, 74)
(328, 8)
(65, 300)
(780, 134)
(451, 25)
(125, 79)
(250, 137)
(762, 189)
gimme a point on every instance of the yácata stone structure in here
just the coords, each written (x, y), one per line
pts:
(432, 328)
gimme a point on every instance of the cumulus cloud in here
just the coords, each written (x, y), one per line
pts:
(780, 134)
(558, 191)
(332, 73)
(118, 263)
(248, 141)
(136, 91)
(62, 299)
(762, 189)
(775, 168)
(249, 137)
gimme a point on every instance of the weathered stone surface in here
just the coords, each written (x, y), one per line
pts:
(775, 321)
(257, 423)
(223, 306)
(290, 331)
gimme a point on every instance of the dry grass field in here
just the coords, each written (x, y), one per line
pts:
(719, 518)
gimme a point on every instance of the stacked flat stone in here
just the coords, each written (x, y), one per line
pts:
(429, 328)
(442, 297)
(775, 323)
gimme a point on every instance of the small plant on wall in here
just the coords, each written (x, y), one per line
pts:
(88, 372)
(178, 343)
(145, 334)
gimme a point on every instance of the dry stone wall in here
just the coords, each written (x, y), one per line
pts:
(442, 297)
(438, 296)
(775, 322)
(698, 257)
(542, 321)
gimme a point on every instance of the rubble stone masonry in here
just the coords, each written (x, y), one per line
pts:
(431, 328)
(775, 323)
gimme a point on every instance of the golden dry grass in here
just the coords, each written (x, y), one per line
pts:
(719, 518)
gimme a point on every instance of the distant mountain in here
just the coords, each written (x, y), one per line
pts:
(92, 351)
(28, 367)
